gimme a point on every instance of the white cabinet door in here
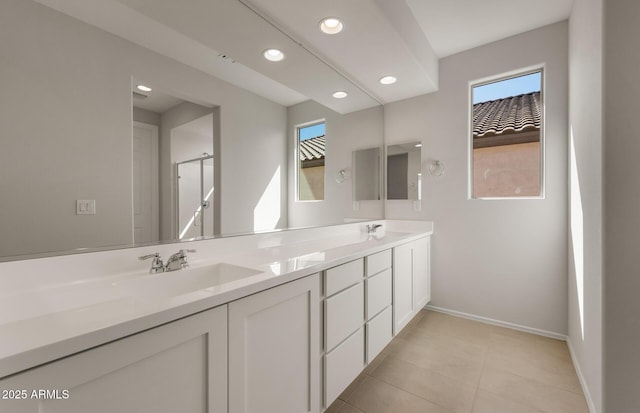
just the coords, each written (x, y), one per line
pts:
(274, 350)
(402, 286)
(177, 367)
(340, 277)
(342, 366)
(378, 295)
(379, 333)
(421, 281)
(344, 314)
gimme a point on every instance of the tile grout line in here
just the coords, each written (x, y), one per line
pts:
(484, 363)
(411, 393)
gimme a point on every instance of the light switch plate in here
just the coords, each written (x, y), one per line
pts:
(85, 207)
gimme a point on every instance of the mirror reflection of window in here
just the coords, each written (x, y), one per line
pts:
(310, 152)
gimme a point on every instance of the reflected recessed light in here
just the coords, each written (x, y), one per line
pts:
(340, 94)
(144, 88)
(388, 80)
(331, 25)
(273, 55)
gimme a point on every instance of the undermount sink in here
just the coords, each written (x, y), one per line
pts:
(174, 283)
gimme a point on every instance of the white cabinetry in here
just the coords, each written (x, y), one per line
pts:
(421, 259)
(402, 286)
(273, 349)
(357, 319)
(343, 328)
(379, 330)
(411, 281)
(178, 367)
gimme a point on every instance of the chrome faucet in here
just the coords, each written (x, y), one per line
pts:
(371, 228)
(178, 261)
(156, 264)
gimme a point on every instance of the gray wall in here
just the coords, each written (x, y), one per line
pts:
(505, 259)
(66, 132)
(585, 196)
(621, 206)
(146, 116)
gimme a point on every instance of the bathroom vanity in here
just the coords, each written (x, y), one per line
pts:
(272, 322)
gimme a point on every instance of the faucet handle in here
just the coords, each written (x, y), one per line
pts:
(183, 252)
(156, 265)
(146, 257)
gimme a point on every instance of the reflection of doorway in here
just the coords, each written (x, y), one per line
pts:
(185, 131)
(195, 197)
(191, 152)
(145, 183)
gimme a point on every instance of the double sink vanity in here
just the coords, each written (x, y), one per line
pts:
(282, 321)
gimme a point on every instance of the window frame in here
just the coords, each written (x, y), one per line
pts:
(541, 68)
(298, 162)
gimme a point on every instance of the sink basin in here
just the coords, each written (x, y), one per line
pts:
(179, 282)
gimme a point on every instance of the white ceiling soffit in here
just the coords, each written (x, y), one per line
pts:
(195, 32)
(453, 26)
(380, 37)
(155, 101)
(124, 22)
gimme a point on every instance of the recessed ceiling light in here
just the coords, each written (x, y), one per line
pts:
(273, 55)
(340, 94)
(388, 80)
(418, 145)
(144, 88)
(331, 25)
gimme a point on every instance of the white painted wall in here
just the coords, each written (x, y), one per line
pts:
(621, 207)
(585, 196)
(254, 165)
(66, 100)
(345, 133)
(504, 259)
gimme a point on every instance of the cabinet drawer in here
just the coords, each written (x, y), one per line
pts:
(344, 314)
(342, 276)
(343, 365)
(378, 290)
(379, 333)
(378, 262)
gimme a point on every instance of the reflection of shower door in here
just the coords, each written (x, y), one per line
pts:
(195, 197)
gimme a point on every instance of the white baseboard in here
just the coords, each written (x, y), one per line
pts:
(583, 382)
(499, 323)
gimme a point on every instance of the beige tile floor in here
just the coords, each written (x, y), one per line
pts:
(445, 364)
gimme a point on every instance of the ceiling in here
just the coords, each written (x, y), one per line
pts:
(403, 38)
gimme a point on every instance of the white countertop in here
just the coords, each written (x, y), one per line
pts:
(47, 312)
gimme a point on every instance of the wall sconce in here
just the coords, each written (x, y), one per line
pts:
(342, 175)
(436, 168)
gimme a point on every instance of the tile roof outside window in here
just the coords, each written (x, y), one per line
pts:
(312, 149)
(508, 115)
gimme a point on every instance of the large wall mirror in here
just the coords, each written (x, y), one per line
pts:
(90, 161)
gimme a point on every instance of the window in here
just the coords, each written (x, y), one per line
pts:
(506, 137)
(310, 154)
